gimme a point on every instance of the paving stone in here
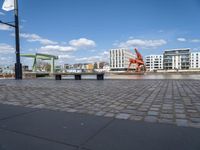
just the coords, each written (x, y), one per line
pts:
(179, 110)
(140, 113)
(180, 116)
(154, 109)
(152, 113)
(71, 110)
(109, 115)
(138, 118)
(191, 111)
(169, 99)
(170, 121)
(195, 120)
(101, 113)
(194, 115)
(143, 109)
(122, 116)
(182, 122)
(150, 119)
(168, 116)
(196, 125)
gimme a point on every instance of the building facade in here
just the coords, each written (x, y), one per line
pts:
(119, 59)
(154, 62)
(195, 60)
(176, 59)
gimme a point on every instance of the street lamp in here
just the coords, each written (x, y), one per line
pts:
(18, 65)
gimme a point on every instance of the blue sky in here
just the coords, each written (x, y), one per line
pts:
(84, 30)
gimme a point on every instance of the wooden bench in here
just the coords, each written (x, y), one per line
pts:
(78, 76)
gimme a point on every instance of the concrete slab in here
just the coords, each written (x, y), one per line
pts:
(9, 111)
(69, 128)
(14, 141)
(128, 135)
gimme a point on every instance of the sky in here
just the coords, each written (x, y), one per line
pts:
(83, 31)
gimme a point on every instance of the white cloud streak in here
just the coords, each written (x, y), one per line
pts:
(82, 43)
(74, 45)
(65, 56)
(57, 48)
(37, 38)
(195, 40)
(145, 44)
(5, 27)
(181, 39)
(6, 49)
(104, 56)
(88, 59)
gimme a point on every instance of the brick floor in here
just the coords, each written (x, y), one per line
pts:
(165, 101)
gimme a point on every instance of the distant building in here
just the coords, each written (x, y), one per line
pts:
(175, 59)
(80, 67)
(25, 68)
(154, 62)
(68, 66)
(7, 70)
(195, 60)
(58, 68)
(87, 66)
(119, 59)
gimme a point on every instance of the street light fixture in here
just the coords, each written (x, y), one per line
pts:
(18, 65)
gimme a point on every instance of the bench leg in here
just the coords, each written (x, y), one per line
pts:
(58, 77)
(100, 76)
(77, 77)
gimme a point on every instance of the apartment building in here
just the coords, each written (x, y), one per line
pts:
(175, 59)
(154, 62)
(119, 59)
(195, 60)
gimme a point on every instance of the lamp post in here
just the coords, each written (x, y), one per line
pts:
(18, 65)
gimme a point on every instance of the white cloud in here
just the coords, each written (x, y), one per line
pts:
(5, 27)
(105, 53)
(82, 43)
(145, 44)
(5, 48)
(181, 39)
(57, 48)
(195, 40)
(65, 57)
(37, 38)
(90, 59)
(7, 59)
(104, 56)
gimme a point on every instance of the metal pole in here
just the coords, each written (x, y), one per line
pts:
(18, 65)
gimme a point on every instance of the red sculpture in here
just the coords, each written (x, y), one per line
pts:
(138, 61)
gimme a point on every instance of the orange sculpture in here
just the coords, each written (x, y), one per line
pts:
(138, 61)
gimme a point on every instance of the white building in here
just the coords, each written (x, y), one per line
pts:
(154, 62)
(119, 59)
(174, 59)
(195, 60)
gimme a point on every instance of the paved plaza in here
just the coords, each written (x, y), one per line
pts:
(175, 102)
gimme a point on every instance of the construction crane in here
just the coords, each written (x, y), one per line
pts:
(138, 61)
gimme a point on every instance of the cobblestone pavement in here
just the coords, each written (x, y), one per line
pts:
(164, 101)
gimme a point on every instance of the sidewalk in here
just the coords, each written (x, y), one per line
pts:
(24, 128)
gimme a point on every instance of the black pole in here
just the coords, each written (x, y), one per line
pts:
(18, 65)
